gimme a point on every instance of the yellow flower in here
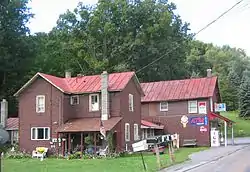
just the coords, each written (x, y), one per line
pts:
(40, 149)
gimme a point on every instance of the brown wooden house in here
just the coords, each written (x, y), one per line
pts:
(183, 106)
(72, 108)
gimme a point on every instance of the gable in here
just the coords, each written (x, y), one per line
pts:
(83, 84)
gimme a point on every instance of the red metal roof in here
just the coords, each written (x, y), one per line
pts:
(148, 124)
(88, 124)
(84, 84)
(215, 115)
(179, 89)
(12, 124)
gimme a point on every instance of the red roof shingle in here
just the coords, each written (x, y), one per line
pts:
(84, 84)
(12, 124)
(179, 89)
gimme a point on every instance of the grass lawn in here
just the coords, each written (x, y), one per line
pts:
(125, 164)
(241, 128)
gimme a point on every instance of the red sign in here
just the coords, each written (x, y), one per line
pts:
(202, 108)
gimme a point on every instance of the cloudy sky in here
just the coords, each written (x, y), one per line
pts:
(233, 29)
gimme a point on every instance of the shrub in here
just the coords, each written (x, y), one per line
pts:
(17, 155)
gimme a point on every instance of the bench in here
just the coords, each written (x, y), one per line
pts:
(189, 142)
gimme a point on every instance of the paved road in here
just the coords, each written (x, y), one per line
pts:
(236, 162)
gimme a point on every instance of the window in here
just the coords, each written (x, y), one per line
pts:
(164, 106)
(136, 132)
(192, 107)
(94, 102)
(40, 104)
(131, 102)
(40, 133)
(127, 132)
(74, 100)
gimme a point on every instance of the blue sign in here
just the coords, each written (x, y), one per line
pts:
(220, 107)
(198, 121)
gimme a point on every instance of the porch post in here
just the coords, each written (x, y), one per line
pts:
(95, 141)
(57, 138)
(81, 144)
(69, 143)
(232, 134)
(225, 130)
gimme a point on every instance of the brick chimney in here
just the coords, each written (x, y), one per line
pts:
(105, 96)
(4, 112)
(209, 72)
(67, 74)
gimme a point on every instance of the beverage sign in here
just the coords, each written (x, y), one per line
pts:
(220, 107)
(199, 121)
(202, 108)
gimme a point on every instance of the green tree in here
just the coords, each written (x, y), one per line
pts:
(245, 95)
(16, 50)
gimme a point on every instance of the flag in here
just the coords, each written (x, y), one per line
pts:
(102, 130)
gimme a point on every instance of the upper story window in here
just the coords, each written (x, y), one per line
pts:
(94, 102)
(40, 104)
(192, 106)
(40, 133)
(131, 102)
(164, 106)
(136, 132)
(74, 100)
(127, 132)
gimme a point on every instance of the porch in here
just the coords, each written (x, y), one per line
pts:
(83, 135)
(149, 129)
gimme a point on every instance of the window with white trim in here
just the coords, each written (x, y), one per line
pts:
(74, 100)
(93, 102)
(192, 106)
(40, 104)
(164, 106)
(136, 132)
(127, 132)
(40, 133)
(131, 102)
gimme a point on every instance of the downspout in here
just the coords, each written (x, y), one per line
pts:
(51, 112)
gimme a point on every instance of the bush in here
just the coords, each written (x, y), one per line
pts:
(76, 155)
(17, 155)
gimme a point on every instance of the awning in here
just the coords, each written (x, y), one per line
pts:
(147, 124)
(214, 115)
(88, 124)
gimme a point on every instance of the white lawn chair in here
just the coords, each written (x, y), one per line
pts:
(103, 152)
(38, 154)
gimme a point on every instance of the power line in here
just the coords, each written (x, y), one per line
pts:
(202, 29)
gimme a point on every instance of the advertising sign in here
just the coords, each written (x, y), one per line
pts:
(184, 121)
(199, 121)
(203, 129)
(202, 108)
(220, 107)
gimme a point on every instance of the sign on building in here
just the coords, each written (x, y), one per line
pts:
(202, 108)
(198, 121)
(220, 107)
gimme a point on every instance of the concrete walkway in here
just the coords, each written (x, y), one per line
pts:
(204, 157)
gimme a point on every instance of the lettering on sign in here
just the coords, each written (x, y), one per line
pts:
(199, 121)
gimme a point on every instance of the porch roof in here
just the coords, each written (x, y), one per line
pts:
(147, 124)
(87, 124)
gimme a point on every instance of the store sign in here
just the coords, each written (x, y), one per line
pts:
(202, 108)
(184, 121)
(220, 107)
(199, 121)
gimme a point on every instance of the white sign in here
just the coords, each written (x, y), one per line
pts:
(215, 142)
(220, 107)
(203, 129)
(184, 120)
(202, 107)
(140, 146)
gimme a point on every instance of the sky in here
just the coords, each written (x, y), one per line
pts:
(233, 29)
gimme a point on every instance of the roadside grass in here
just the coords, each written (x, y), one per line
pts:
(241, 127)
(121, 164)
